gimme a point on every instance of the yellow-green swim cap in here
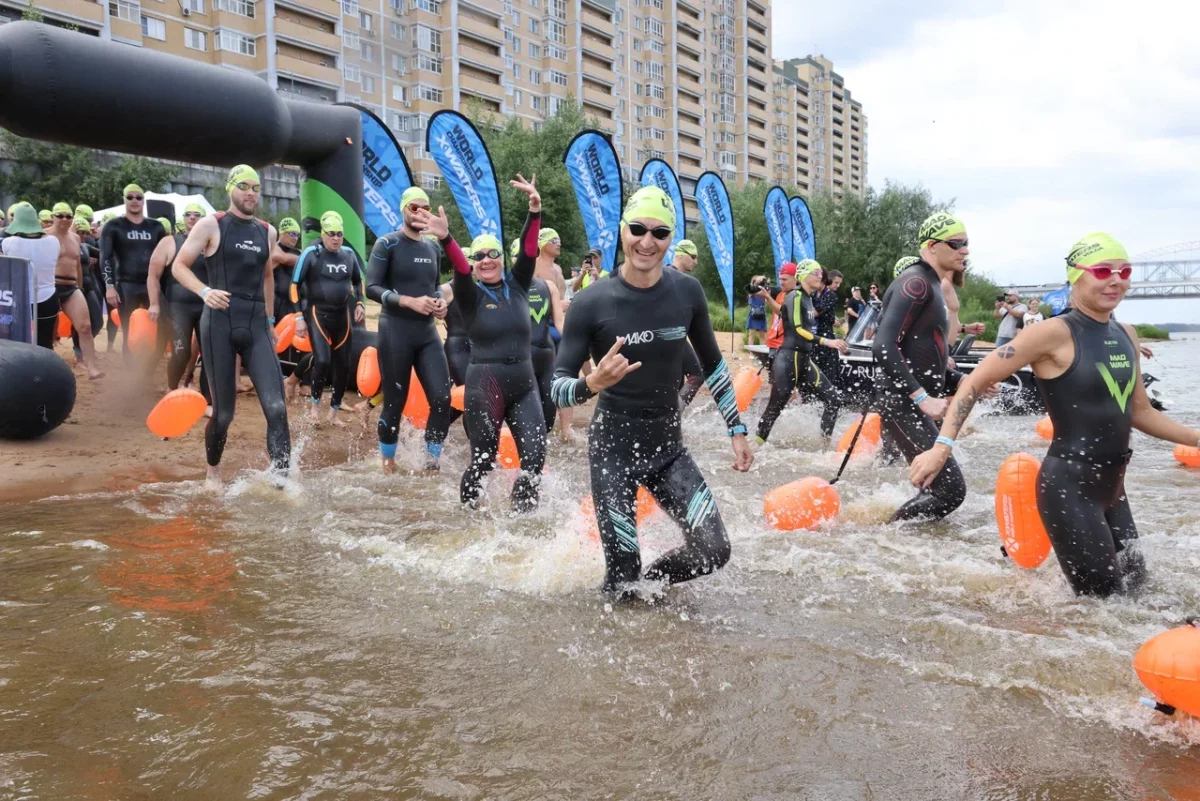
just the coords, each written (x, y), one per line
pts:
(941, 225)
(1093, 249)
(650, 202)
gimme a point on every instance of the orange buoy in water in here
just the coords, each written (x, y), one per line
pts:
(1169, 665)
(508, 456)
(367, 378)
(142, 331)
(64, 325)
(1187, 455)
(646, 506)
(1045, 428)
(416, 408)
(868, 440)
(285, 333)
(745, 386)
(458, 398)
(801, 504)
(176, 413)
(1021, 530)
(116, 318)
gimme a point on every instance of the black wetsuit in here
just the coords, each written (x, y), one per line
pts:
(635, 435)
(408, 340)
(90, 288)
(238, 266)
(542, 350)
(325, 280)
(457, 345)
(1081, 486)
(283, 284)
(125, 251)
(910, 347)
(501, 385)
(186, 311)
(693, 375)
(793, 367)
(825, 303)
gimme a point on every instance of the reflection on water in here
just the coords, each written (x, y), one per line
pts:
(364, 637)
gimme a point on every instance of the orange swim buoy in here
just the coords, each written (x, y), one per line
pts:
(745, 386)
(646, 506)
(868, 440)
(458, 398)
(801, 504)
(1045, 428)
(508, 456)
(1187, 455)
(116, 318)
(416, 408)
(1021, 530)
(176, 413)
(64, 325)
(142, 331)
(367, 378)
(1169, 665)
(285, 333)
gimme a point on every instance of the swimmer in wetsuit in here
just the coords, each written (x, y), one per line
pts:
(636, 437)
(501, 385)
(283, 264)
(687, 256)
(1088, 371)
(546, 313)
(402, 275)
(793, 366)
(911, 347)
(236, 320)
(126, 244)
(326, 276)
(185, 306)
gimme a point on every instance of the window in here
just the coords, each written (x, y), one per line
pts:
(556, 52)
(559, 78)
(534, 26)
(535, 51)
(194, 6)
(350, 8)
(400, 95)
(517, 97)
(353, 74)
(243, 8)
(430, 181)
(431, 63)
(657, 47)
(428, 39)
(123, 10)
(557, 8)
(556, 32)
(399, 64)
(367, 51)
(657, 111)
(154, 28)
(555, 104)
(637, 45)
(637, 23)
(516, 72)
(654, 70)
(516, 45)
(350, 40)
(654, 27)
(235, 42)
(537, 102)
(398, 31)
(366, 21)
(638, 68)
(535, 77)
(400, 122)
(195, 40)
(430, 93)
(368, 84)
(657, 134)
(728, 159)
(432, 6)
(656, 91)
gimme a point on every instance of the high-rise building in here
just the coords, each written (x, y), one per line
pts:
(688, 81)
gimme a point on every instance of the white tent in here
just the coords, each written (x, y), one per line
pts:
(178, 201)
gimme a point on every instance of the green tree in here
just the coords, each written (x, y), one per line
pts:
(45, 174)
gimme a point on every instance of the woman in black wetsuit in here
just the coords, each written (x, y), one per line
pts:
(1090, 379)
(500, 382)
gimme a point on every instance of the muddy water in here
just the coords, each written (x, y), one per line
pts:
(358, 636)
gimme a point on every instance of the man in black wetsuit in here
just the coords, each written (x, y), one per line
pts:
(911, 347)
(237, 319)
(283, 264)
(327, 274)
(403, 276)
(687, 256)
(184, 306)
(126, 244)
(636, 437)
(1090, 378)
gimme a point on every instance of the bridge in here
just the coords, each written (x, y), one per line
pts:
(1156, 274)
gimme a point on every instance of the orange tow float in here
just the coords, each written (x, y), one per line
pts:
(1025, 539)
(1169, 665)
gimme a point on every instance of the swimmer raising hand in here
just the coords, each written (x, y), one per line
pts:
(611, 369)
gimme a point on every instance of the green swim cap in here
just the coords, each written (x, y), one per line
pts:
(414, 194)
(84, 210)
(485, 242)
(687, 247)
(180, 225)
(62, 208)
(1093, 249)
(44, 215)
(331, 223)
(240, 173)
(166, 224)
(806, 268)
(941, 225)
(107, 217)
(83, 224)
(545, 236)
(652, 203)
(132, 188)
(194, 208)
(288, 225)
(902, 264)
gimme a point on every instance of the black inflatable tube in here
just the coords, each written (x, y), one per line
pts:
(37, 390)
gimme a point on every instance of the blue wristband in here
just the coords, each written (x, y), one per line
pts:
(738, 429)
(205, 291)
(924, 396)
(271, 320)
(949, 443)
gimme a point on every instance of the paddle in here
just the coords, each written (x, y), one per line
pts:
(853, 441)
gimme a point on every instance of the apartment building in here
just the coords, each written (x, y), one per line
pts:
(689, 81)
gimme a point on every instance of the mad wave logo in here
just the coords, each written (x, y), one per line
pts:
(1120, 394)
(588, 163)
(461, 158)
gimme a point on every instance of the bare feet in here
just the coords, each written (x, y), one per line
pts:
(95, 375)
(314, 415)
(332, 419)
(208, 411)
(389, 466)
(212, 480)
(245, 385)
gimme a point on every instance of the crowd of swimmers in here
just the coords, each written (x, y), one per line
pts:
(527, 345)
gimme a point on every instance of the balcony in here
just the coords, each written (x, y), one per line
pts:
(473, 53)
(609, 6)
(81, 11)
(476, 86)
(691, 150)
(305, 36)
(599, 48)
(598, 97)
(330, 76)
(479, 29)
(686, 103)
(687, 126)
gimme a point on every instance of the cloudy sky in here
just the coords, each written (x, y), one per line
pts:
(1042, 123)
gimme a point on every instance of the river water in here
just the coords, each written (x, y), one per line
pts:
(358, 636)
